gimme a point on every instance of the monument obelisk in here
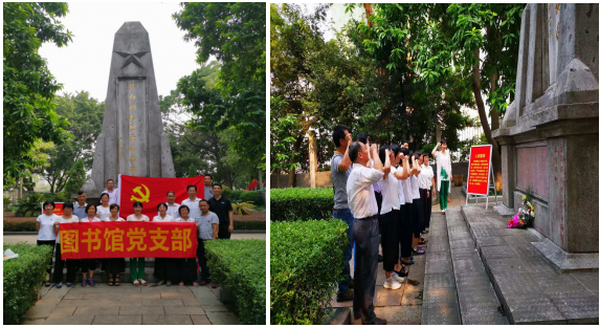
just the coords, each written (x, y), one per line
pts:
(132, 141)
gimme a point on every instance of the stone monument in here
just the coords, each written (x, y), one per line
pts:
(549, 135)
(132, 141)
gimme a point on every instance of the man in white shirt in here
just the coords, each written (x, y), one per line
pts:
(172, 207)
(113, 193)
(192, 202)
(362, 202)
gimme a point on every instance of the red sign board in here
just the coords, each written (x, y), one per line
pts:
(128, 240)
(479, 169)
(151, 191)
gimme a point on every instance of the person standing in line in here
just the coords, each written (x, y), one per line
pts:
(417, 217)
(444, 173)
(79, 206)
(59, 263)
(46, 236)
(362, 203)
(172, 207)
(104, 207)
(208, 188)
(340, 170)
(89, 265)
(186, 267)
(403, 222)
(208, 229)
(137, 266)
(114, 266)
(113, 193)
(428, 177)
(221, 206)
(161, 265)
(192, 201)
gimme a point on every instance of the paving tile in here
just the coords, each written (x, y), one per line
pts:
(440, 314)
(61, 312)
(468, 265)
(491, 241)
(33, 322)
(149, 319)
(436, 267)
(205, 296)
(412, 295)
(514, 265)
(534, 309)
(181, 310)
(213, 308)
(141, 297)
(438, 256)
(576, 306)
(42, 309)
(142, 310)
(102, 296)
(200, 320)
(445, 280)
(70, 320)
(175, 296)
(162, 303)
(464, 243)
(117, 320)
(410, 315)
(483, 317)
(96, 311)
(437, 247)
(387, 297)
(191, 303)
(588, 279)
(222, 318)
(74, 296)
(497, 252)
(440, 295)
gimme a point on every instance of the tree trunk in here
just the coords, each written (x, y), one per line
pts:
(369, 11)
(260, 180)
(292, 172)
(496, 160)
(494, 110)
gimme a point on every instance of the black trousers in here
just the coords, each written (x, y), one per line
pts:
(201, 255)
(366, 237)
(428, 208)
(419, 217)
(59, 265)
(50, 243)
(224, 232)
(423, 216)
(404, 232)
(389, 239)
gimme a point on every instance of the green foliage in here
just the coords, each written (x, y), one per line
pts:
(243, 208)
(30, 206)
(307, 259)
(290, 204)
(21, 226)
(28, 86)
(5, 202)
(235, 195)
(250, 225)
(192, 171)
(22, 278)
(241, 266)
(256, 197)
(76, 178)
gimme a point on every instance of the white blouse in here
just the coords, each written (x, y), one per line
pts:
(73, 219)
(167, 218)
(103, 212)
(46, 232)
(133, 218)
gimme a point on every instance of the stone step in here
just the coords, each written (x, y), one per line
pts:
(530, 290)
(478, 303)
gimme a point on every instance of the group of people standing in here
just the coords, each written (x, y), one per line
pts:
(212, 216)
(384, 193)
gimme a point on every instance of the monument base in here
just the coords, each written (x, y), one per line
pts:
(90, 189)
(505, 211)
(564, 261)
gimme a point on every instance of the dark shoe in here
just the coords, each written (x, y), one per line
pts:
(379, 321)
(346, 296)
(403, 272)
(411, 262)
(351, 284)
(214, 285)
(379, 258)
(418, 251)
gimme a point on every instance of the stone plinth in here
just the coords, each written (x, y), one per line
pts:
(132, 141)
(549, 135)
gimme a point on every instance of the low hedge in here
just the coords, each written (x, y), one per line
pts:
(22, 278)
(257, 197)
(291, 204)
(307, 259)
(241, 266)
(22, 226)
(249, 225)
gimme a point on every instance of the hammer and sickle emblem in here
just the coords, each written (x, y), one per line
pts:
(144, 197)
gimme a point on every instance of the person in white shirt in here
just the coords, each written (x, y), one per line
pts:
(113, 193)
(426, 179)
(185, 269)
(44, 225)
(137, 265)
(362, 202)
(114, 266)
(89, 265)
(444, 173)
(192, 201)
(59, 263)
(389, 217)
(161, 265)
(172, 207)
(104, 207)
(417, 205)
(405, 227)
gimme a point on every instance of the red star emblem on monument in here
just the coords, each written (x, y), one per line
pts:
(131, 56)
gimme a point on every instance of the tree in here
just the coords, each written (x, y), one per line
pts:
(77, 178)
(192, 171)
(28, 86)
(235, 34)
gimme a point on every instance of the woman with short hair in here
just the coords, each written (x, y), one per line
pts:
(161, 265)
(114, 266)
(104, 208)
(90, 263)
(187, 268)
(137, 265)
(44, 224)
(59, 263)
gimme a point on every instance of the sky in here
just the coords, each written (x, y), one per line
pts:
(84, 64)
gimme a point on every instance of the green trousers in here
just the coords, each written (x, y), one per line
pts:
(444, 194)
(136, 268)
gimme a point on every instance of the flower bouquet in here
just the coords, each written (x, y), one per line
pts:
(524, 217)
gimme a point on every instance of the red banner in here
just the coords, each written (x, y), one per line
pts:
(479, 169)
(128, 240)
(151, 191)
(58, 209)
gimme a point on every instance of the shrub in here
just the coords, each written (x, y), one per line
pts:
(241, 266)
(307, 259)
(291, 204)
(30, 206)
(22, 226)
(235, 195)
(249, 225)
(5, 201)
(243, 208)
(22, 279)
(257, 197)
(226, 192)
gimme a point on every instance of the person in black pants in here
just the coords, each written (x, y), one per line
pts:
(208, 228)
(59, 263)
(221, 206)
